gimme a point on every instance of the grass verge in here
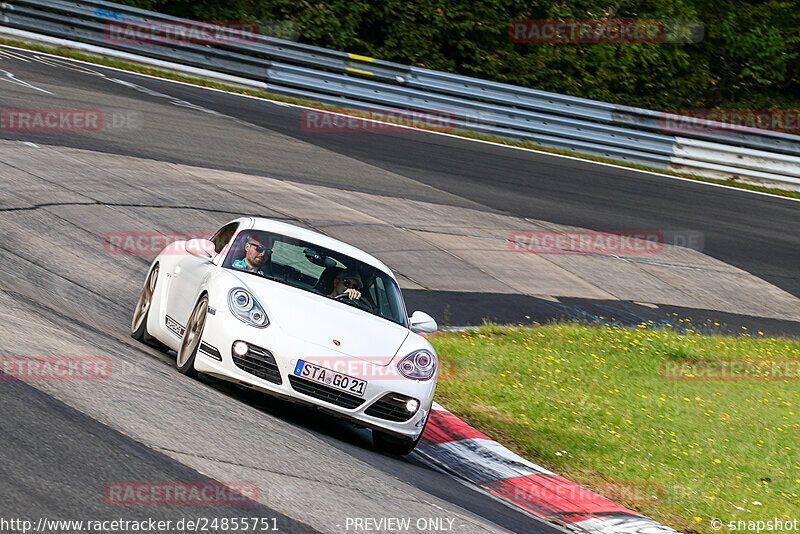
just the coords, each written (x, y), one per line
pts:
(171, 75)
(604, 406)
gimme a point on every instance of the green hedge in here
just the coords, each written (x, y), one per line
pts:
(748, 58)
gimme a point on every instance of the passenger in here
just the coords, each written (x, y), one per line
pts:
(255, 255)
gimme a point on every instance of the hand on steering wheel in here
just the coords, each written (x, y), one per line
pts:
(350, 294)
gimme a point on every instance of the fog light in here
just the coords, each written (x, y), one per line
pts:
(412, 405)
(240, 348)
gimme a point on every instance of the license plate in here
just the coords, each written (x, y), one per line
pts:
(329, 377)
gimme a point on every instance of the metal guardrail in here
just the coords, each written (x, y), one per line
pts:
(349, 80)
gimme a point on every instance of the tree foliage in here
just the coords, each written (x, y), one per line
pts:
(749, 56)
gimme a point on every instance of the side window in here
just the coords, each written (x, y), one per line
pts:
(223, 236)
(389, 299)
(379, 291)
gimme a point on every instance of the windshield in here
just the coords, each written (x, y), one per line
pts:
(318, 270)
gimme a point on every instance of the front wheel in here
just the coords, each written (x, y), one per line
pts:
(190, 342)
(395, 445)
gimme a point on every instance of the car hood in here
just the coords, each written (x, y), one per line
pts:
(319, 320)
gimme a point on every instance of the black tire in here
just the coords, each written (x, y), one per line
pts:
(395, 445)
(142, 310)
(190, 342)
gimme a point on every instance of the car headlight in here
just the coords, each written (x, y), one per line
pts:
(246, 308)
(419, 365)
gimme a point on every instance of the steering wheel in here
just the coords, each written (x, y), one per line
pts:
(357, 303)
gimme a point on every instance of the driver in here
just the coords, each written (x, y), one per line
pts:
(255, 254)
(347, 282)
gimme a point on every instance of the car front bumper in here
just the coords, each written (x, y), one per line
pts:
(216, 358)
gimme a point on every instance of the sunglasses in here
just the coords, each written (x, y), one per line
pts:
(351, 282)
(259, 248)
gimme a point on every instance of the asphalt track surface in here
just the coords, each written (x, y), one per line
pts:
(754, 232)
(56, 461)
(62, 441)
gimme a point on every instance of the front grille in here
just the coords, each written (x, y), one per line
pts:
(326, 393)
(258, 362)
(391, 407)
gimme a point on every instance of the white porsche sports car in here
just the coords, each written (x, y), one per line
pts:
(294, 313)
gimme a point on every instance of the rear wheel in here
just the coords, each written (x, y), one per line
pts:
(142, 310)
(190, 342)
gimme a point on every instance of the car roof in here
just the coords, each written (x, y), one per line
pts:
(316, 238)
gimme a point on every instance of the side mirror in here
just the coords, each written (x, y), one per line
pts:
(422, 323)
(202, 248)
